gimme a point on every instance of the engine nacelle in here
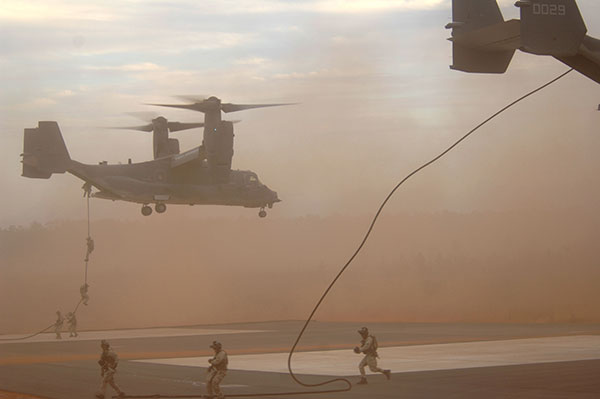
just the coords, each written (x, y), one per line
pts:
(219, 151)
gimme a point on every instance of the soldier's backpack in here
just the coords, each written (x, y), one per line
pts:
(375, 345)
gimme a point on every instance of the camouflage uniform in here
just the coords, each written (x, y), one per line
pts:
(90, 248)
(83, 290)
(217, 371)
(108, 363)
(72, 320)
(58, 324)
(367, 346)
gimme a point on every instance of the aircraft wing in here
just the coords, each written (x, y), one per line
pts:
(194, 154)
(481, 40)
(489, 49)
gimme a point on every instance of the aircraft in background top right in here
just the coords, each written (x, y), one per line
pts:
(483, 42)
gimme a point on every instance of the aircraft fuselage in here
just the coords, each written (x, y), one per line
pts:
(176, 179)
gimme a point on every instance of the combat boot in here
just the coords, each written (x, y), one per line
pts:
(387, 373)
(363, 381)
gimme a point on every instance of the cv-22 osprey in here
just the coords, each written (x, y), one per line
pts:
(200, 176)
(483, 42)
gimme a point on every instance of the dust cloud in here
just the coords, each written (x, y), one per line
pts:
(502, 230)
(419, 267)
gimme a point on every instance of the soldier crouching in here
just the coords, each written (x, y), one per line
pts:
(217, 371)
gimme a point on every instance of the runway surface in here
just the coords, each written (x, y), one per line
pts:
(427, 360)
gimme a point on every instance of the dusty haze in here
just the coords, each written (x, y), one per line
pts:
(479, 267)
(505, 228)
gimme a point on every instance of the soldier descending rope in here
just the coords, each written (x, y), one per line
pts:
(83, 290)
(90, 248)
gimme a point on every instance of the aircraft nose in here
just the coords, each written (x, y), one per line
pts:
(272, 195)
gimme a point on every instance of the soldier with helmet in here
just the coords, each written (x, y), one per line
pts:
(217, 370)
(58, 324)
(368, 346)
(72, 320)
(89, 242)
(108, 364)
(83, 291)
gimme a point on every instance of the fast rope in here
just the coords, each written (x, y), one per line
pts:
(89, 237)
(86, 194)
(28, 336)
(343, 269)
(370, 229)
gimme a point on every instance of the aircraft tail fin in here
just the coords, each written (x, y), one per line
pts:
(551, 27)
(482, 41)
(44, 151)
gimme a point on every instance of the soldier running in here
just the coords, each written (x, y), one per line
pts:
(217, 370)
(58, 324)
(83, 290)
(108, 364)
(72, 320)
(368, 346)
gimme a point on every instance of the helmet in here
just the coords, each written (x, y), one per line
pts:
(104, 343)
(363, 331)
(216, 345)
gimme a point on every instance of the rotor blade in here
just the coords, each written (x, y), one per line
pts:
(183, 106)
(146, 116)
(177, 126)
(145, 128)
(192, 98)
(228, 107)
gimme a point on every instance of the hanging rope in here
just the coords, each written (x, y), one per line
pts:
(89, 238)
(368, 233)
(87, 191)
(89, 248)
(28, 336)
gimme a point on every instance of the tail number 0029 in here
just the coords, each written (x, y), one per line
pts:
(549, 9)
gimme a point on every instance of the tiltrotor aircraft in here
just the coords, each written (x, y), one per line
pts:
(483, 42)
(201, 175)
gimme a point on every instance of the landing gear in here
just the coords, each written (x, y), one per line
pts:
(160, 208)
(146, 210)
(262, 213)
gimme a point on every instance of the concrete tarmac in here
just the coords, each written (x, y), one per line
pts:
(427, 361)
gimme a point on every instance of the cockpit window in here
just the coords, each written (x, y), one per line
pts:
(252, 180)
